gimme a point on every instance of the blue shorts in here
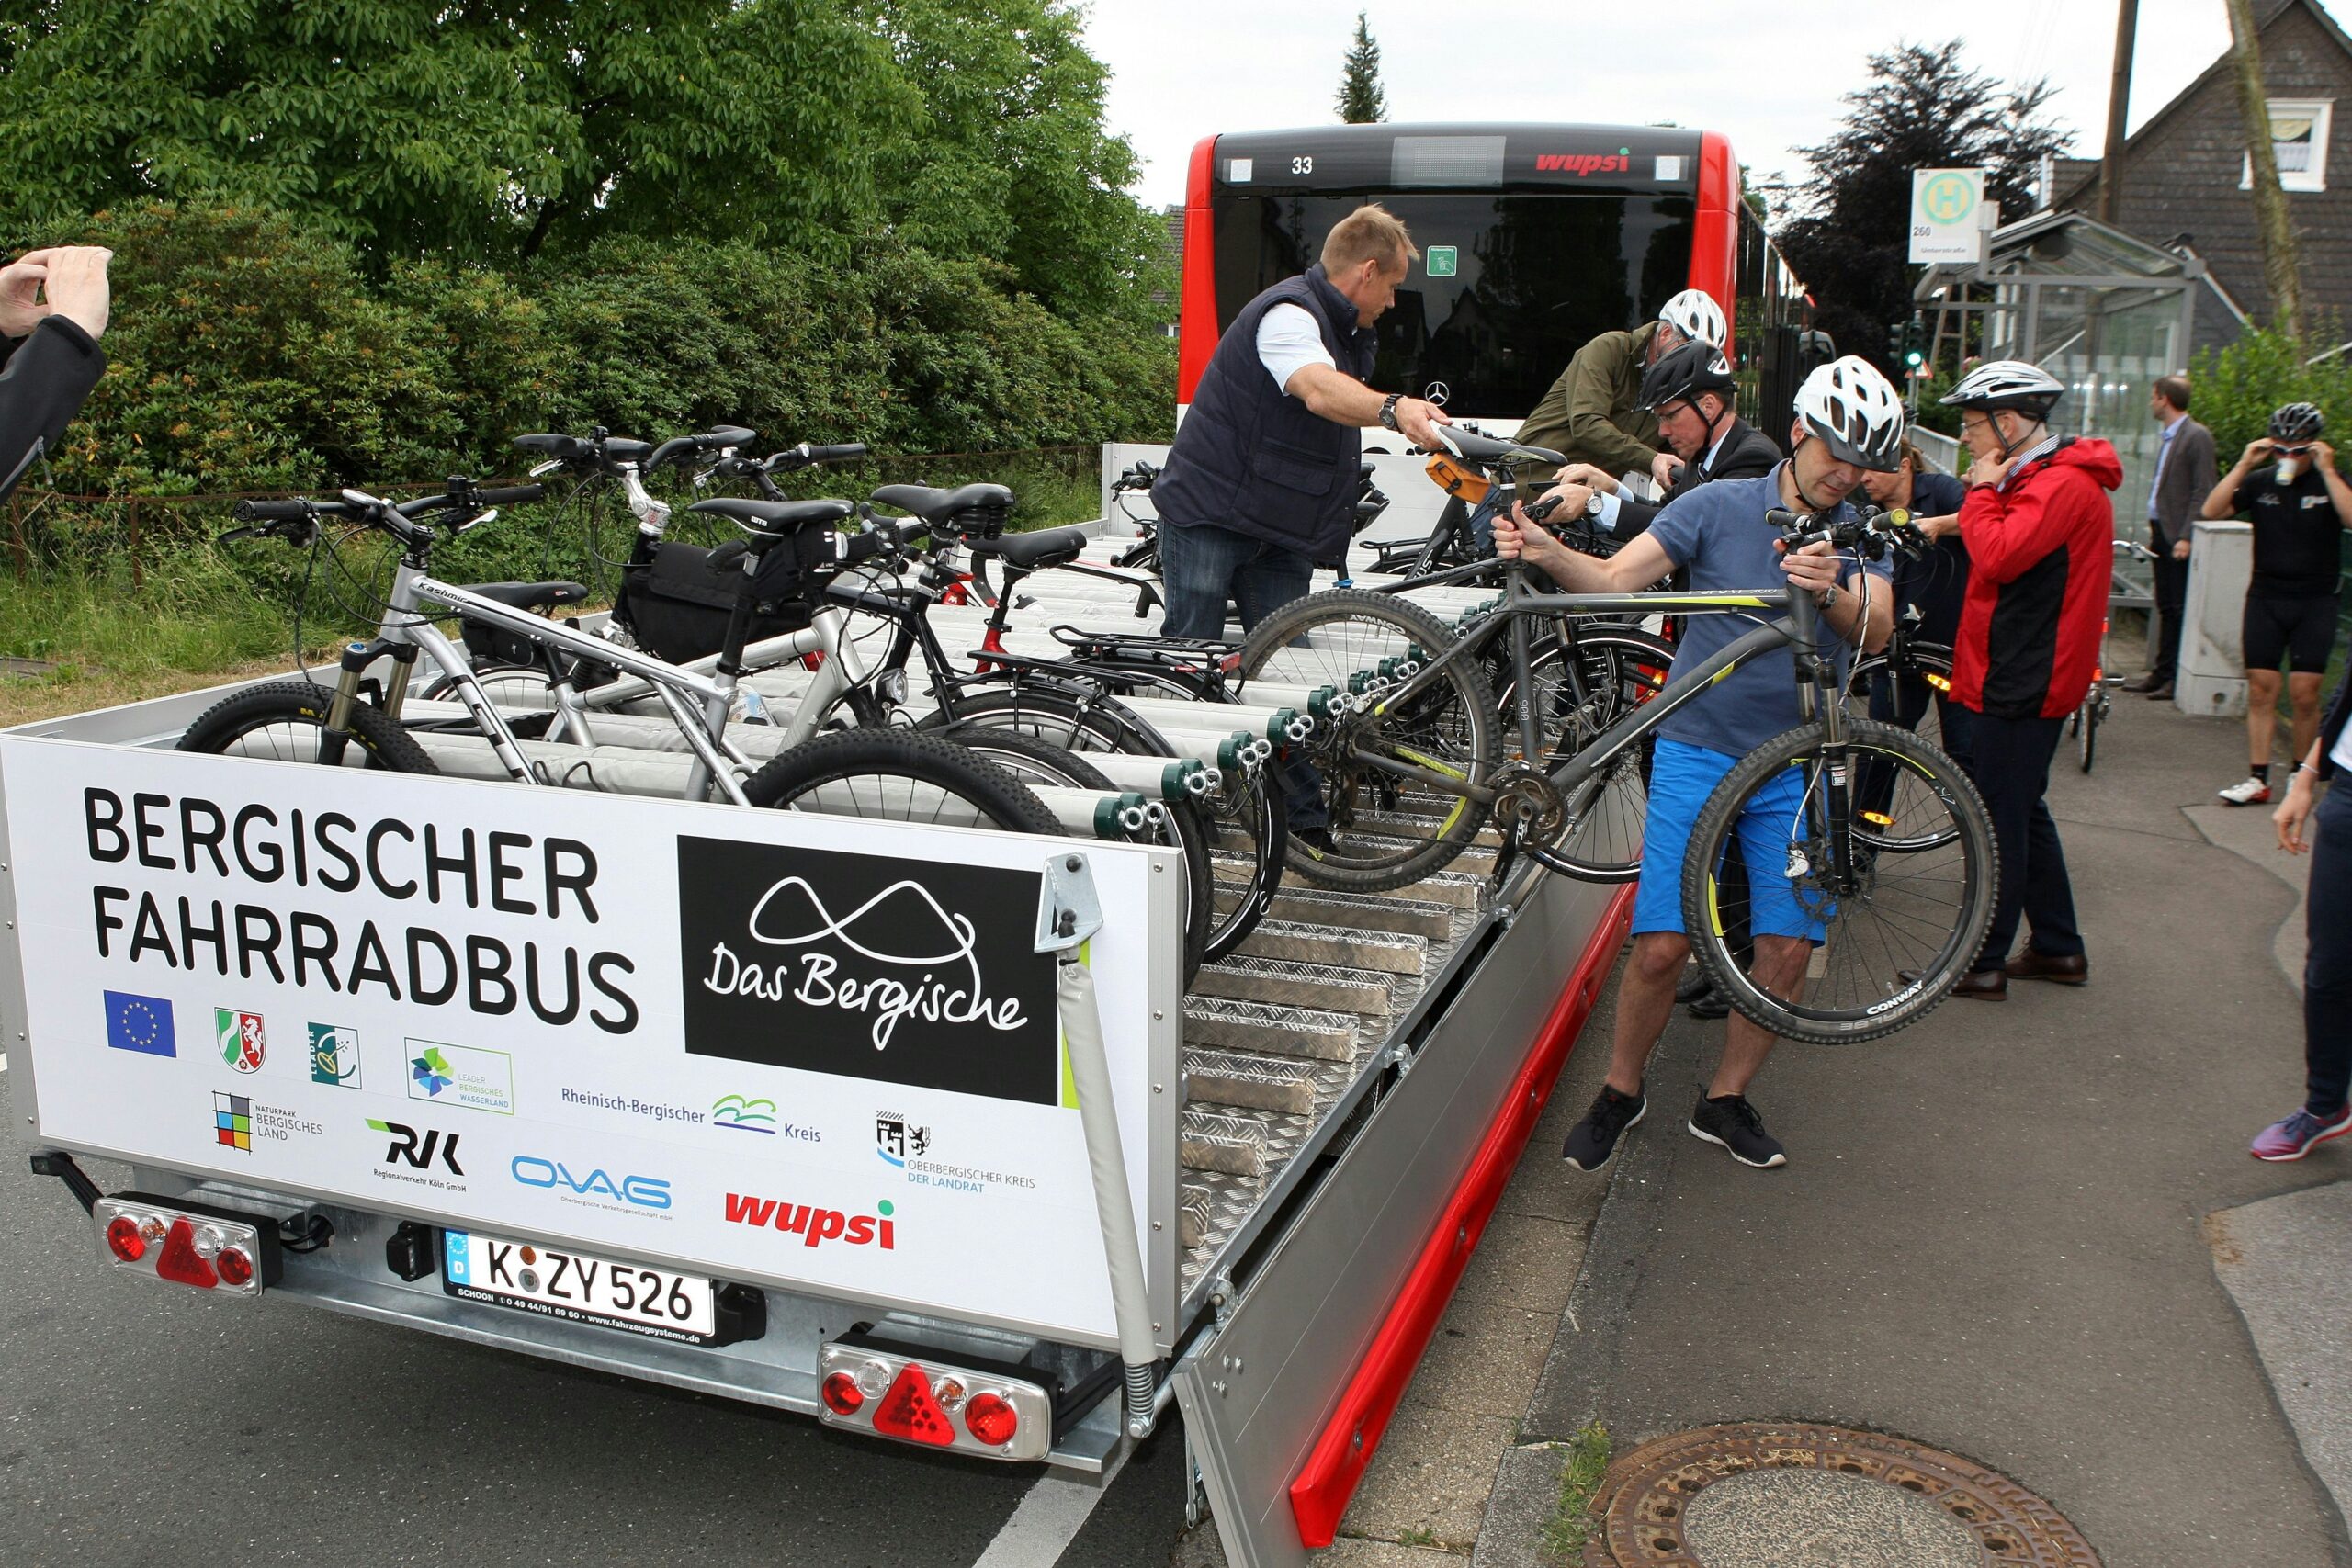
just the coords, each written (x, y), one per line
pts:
(1681, 777)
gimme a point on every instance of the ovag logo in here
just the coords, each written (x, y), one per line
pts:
(593, 1186)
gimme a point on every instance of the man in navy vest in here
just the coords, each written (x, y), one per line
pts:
(1260, 486)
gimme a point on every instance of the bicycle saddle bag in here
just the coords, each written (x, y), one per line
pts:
(676, 604)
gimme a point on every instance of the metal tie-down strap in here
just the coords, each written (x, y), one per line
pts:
(1069, 913)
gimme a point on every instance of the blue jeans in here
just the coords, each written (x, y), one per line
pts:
(2327, 965)
(1203, 566)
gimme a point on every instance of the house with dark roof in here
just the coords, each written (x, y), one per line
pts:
(2186, 177)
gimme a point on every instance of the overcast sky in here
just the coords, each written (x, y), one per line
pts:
(1768, 73)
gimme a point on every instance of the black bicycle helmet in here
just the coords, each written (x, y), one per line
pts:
(2293, 423)
(1686, 372)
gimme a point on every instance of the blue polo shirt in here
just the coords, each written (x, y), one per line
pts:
(1719, 533)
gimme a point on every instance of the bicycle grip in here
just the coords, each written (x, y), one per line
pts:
(1541, 511)
(510, 495)
(881, 539)
(841, 452)
(272, 511)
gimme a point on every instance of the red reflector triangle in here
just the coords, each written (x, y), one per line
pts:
(908, 1411)
(179, 1262)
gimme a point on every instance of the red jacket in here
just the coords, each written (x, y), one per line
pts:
(2042, 557)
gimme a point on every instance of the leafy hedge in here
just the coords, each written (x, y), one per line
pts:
(250, 353)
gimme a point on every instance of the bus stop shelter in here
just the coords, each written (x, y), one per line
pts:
(2103, 312)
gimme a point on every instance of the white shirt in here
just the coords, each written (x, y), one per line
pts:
(2342, 757)
(1610, 500)
(1289, 341)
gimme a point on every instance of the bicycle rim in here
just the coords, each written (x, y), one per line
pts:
(1385, 831)
(287, 722)
(1896, 928)
(896, 775)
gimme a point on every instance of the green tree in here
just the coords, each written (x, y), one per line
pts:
(415, 125)
(1361, 99)
(1000, 151)
(1921, 109)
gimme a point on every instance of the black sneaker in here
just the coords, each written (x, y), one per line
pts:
(1730, 1121)
(1592, 1141)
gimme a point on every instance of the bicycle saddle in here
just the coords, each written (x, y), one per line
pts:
(1487, 449)
(937, 505)
(530, 595)
(776, 517)
(1033, 552)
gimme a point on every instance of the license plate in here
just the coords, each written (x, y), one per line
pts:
(578, 1287)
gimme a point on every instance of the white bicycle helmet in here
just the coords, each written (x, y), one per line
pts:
(1855, 410)
(2008, 384)
(1695, 314)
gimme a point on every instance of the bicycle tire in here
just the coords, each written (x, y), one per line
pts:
(1889, 975)
(1251, 832)
(1446, 728)
(235, 725)
(2086, 731)
(1027, 758)
(1929, 661)
(1621, 668)
(833, 765)
(506, 685)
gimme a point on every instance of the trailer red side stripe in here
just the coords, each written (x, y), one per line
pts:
(1319, 1494)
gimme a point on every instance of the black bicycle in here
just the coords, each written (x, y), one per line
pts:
(1902, 891)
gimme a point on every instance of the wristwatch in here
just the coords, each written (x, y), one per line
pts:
(1388, 409)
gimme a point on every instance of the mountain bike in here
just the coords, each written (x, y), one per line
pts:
(880, 772)
(1903, 892)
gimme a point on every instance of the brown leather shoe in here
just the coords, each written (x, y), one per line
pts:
(1984, 985)
(2073, 969)
(2160, 694)
(2147, 682)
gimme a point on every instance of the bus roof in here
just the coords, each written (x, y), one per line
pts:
(1336, 158)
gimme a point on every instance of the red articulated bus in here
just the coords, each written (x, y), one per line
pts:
(1535, 238)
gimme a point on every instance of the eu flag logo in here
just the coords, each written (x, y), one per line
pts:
(139, 1023)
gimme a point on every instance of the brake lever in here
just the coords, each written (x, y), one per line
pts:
(489, 516)
(550, 465)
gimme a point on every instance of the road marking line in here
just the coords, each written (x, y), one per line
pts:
(1048, 1518)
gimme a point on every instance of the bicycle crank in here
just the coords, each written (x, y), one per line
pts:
(1528, 807)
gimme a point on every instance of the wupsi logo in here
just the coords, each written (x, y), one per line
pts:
(594, 1189)
(1583, 164)
(419, 1151)
(897, 1141)
(816, 1227)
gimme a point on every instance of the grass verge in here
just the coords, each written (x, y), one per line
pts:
(1566, 1531)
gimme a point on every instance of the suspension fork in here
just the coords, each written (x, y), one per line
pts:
(1816, 679)
(356, 657)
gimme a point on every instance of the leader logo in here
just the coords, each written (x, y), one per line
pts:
(334, 1054)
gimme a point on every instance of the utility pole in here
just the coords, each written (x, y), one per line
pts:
(2119, 100)
(2281, 267)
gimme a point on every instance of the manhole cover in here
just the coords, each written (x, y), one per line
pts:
(1762, 1494)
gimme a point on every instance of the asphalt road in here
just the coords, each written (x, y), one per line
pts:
(141, 1424)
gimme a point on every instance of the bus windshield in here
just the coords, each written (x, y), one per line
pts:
(1509, 287)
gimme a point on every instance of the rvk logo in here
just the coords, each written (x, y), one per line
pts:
(239, 1035)
(896, 1143)
(334, 1054)
(139, 1023)
(232, 1122)
(816, 1227)
(418, 1151)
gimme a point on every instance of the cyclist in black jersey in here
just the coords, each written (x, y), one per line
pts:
(2287, 484)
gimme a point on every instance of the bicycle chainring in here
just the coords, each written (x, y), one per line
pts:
(1528, 807)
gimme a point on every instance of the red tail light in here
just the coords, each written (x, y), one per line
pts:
(180, 1264)
(992, 1419)
(235, 1265)
(909, 1411)
(124, 1240)
(841, 1395)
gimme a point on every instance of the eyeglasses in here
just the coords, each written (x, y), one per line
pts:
(2278, 451)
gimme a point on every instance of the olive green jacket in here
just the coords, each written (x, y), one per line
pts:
(1590, 414)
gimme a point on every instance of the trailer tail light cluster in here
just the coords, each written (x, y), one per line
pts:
(188, 1244)
(932, 1404)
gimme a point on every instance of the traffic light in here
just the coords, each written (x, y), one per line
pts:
(1910, 344)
